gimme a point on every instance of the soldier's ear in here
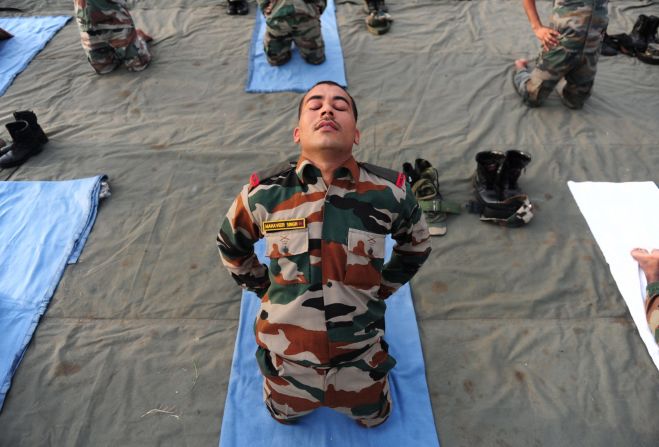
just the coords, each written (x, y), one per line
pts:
(356, 140)
(296, 135)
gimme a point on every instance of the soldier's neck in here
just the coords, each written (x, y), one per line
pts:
(327, 163)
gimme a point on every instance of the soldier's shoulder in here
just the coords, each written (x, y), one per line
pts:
(395, 177)
(270, 174)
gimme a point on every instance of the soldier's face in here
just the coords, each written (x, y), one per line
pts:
(326, 121)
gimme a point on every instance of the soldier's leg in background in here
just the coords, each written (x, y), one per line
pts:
(290, 391)
(309, 41)
(277, 41)
(100, 54)
(360, 389)
(136, 54)
(550, 67)
(579, 81)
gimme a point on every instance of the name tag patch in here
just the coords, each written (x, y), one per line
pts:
(281, 225)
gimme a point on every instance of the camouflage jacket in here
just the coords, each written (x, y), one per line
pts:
(97, 15)
(322, 298)
(288, 8)
(580, 23)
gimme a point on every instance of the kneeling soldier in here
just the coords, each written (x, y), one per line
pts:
(320, 327)
(289, 21)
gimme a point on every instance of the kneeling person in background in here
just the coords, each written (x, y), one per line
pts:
(289, 21)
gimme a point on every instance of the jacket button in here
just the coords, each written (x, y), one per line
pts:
(329, 284)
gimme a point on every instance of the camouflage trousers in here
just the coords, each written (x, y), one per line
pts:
(304, 31)
(106, 49)
(577, 68)
(358, 389)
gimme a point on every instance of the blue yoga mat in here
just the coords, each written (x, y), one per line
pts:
(43, 227)
(31, 34)
(247, 423)
(296, 75)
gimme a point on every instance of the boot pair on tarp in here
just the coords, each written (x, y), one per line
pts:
(499, 198)
(642, 42)
(424, 180)
(28, 139)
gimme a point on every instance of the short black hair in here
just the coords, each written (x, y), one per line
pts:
(352, 100)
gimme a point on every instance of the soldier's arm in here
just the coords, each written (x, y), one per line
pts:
(235, 241)
(411, 249)
(547, 36)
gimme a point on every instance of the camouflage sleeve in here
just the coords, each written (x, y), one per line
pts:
(411, 249)
(652, 309)
(235, 242)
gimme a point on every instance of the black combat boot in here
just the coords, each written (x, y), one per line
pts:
(651, 30)
(26, 143)
(237, 7)
(511, 169)
(31, 118)
(486, 179)
(638, 36)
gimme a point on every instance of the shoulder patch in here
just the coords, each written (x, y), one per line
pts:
(258, 176)
(395, 177)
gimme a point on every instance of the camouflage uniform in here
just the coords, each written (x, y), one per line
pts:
(293, 21)
(109, 37)
(321, 323)
(652, 309)
(581, 24)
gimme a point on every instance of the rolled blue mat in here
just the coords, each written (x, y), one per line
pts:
(247, 423)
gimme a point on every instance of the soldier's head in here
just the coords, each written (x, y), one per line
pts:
(327, 119)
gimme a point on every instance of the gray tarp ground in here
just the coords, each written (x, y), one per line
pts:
(526, 339)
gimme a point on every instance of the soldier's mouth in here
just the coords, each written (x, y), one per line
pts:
(327, 124)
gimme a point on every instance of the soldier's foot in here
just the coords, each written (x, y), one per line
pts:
(378, 22)
(521, 64)
(281, 60)
(314, 61)
(144, 35)
(648, 262)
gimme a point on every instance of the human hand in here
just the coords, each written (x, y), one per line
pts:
(268, 9)
(547, 36)
(648, 262)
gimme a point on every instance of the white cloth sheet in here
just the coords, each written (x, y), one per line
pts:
(623, 216)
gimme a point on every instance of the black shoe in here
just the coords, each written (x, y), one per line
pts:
(486, 179)
(511, 169)
(639, 38)
(25, 144)
(237, 7)
(31, 118)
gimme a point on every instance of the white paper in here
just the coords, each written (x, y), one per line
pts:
(624, 216)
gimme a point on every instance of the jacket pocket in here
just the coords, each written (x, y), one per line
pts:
(289, 256)
(365, 259)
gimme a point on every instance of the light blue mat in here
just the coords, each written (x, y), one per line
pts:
(31, 34)
(247, 423)
(296, 75)
(43, 227)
